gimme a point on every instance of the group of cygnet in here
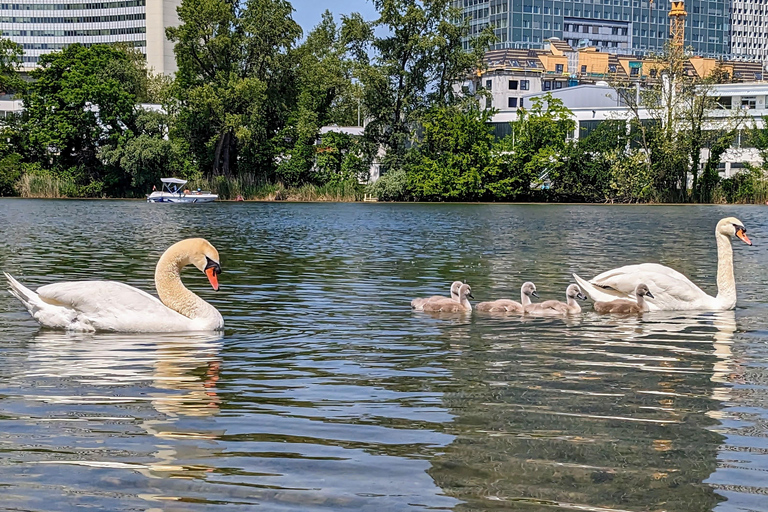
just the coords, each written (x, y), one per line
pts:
(462, 292)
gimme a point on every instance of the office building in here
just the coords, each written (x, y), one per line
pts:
(44, 26)
(749, 30)
(637, 27)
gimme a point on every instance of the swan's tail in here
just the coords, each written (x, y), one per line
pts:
(27, 297)
(597, 293)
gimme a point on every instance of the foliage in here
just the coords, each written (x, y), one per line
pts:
(10, 62)
(342, 157)
(408, 62)
(451, 161)
(677, 132)
(234, 80)
(324, 95)
(392, 186)
(81, 100)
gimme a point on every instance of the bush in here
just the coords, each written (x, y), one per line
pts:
(392, 186)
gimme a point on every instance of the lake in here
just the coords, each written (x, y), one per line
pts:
(326, 392)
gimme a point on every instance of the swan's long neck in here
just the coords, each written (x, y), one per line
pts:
(640, 300)
(726, 283)
(173, 293)
(525, 300)
(465, 303)
(572, 304)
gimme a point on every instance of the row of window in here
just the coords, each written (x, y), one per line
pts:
(61, 46)
(73, 19)
(585, 29)
(72, 7)
(74, 33)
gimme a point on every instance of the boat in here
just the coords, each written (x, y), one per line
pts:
(174, 192)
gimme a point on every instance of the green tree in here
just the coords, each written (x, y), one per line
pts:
(324, 94)
(80, 101)
(452, 159)
(10, 61)
(234, 81)
(416, 60)
(534, 153)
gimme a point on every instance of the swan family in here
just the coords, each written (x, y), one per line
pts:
(631, 289)
(113, 306)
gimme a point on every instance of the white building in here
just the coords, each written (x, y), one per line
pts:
(44, 26)
(592, 104)
(749, 30)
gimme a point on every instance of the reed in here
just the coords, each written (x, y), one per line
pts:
(254, 189)
(32, 185)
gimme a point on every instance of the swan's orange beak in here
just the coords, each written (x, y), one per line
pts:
(212, 278)
(743, 235)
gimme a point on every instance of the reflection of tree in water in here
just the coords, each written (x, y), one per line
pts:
(611, 415)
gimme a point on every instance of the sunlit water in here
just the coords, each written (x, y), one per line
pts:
(327, 392)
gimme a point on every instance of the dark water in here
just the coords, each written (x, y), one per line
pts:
(327, 392)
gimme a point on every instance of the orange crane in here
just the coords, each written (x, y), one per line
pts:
(677, 16)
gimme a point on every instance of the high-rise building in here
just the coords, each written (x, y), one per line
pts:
(749, 30)
(619, 26)
(44, 26)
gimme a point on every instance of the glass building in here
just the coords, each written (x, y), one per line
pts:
(620, 26)
(44, 26)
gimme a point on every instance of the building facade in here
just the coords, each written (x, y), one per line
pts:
(620, 26)
(749, 30)
(44, 26)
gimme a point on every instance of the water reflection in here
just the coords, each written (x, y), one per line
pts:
(605, 415)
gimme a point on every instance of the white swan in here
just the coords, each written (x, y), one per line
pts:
(510, 306)
(112, 306)
(418, 303)
(672, 291)
(557, 308)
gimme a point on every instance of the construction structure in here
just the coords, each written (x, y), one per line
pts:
(677, 16)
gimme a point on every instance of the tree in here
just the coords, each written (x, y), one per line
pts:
(678, 129)
(80, 101)
(10, 61)
(416, 62)
(234, 80)
(451, 161)
(534, 153)
(324, 94)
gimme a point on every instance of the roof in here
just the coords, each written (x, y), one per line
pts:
(175, 181)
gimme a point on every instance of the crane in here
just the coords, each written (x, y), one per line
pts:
(677, 16)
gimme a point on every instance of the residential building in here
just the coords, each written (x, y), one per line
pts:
(749, 30)
(635, 27)
(594, 103)
(44, 26)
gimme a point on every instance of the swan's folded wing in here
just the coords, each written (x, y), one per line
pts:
(109, 305)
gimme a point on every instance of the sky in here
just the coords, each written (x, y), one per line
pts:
(308, 12)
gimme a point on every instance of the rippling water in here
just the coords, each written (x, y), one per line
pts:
(327, 392)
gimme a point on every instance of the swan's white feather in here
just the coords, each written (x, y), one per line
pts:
(672, 291)
(112, 306)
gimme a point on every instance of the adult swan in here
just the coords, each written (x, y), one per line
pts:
(112, 306)
(672, 291)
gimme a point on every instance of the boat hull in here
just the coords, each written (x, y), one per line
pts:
(165, 197)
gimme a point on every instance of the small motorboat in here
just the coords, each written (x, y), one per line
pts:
(174, 192)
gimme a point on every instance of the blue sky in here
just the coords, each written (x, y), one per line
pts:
(308, 12)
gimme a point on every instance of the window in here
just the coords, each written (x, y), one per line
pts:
(653, 73)
(488, 103)
(595, 30)
(585, 29)
(634, 72)
(748, 102)
(512, 102)
(611, 68)
(521, 102)
(558, 68)
(584, 68)
(513, 85)
(489, 84)
(531, 63)
(523, 87)
(547, 85)
(558, 85)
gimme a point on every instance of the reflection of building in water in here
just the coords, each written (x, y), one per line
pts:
(182, 369)
(608, 415)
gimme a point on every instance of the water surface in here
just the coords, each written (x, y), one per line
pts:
(325, 392)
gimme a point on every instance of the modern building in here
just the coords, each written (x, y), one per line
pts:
(749, 30)
(595, 103)
(44, 26)
(636, 27)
